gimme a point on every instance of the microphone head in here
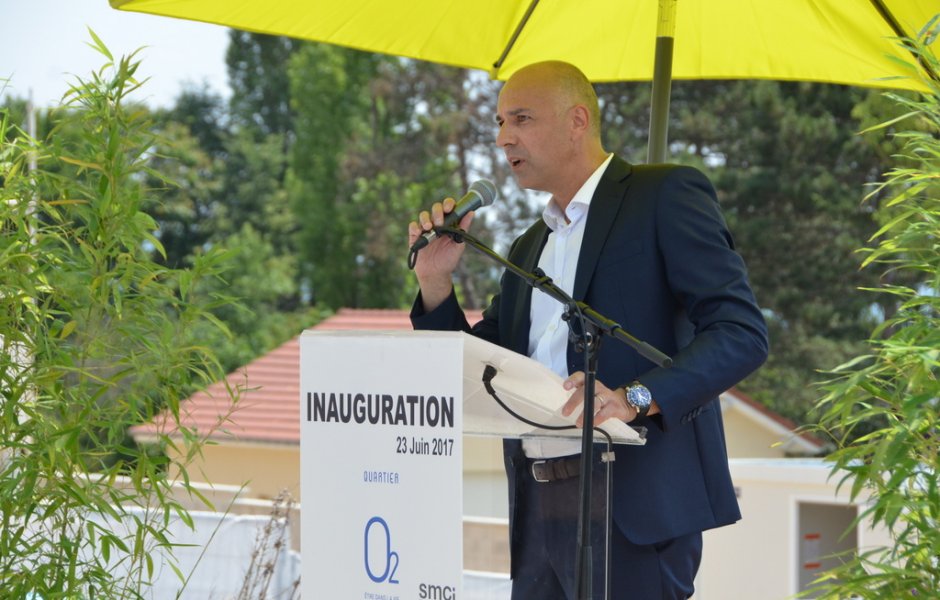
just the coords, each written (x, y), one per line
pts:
(486, 190)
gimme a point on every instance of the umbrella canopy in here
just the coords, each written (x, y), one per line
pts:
(838, 41)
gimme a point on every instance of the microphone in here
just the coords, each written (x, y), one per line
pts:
(481, 193)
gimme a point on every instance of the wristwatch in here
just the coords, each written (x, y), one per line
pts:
(639, 397)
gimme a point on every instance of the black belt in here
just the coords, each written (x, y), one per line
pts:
(555, 469)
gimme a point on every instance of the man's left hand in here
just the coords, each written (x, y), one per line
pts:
(608, 403)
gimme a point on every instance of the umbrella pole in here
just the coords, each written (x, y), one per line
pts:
(662, 82)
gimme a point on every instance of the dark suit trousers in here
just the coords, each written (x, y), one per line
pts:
(547, 557)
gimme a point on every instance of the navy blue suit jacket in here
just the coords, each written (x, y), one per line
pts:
(658, 259)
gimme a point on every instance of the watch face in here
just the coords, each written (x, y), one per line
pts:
(639, 396)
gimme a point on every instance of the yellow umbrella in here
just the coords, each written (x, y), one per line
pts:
(837, 41)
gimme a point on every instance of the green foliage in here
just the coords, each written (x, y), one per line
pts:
(186, 178)
(367, 156)
(92, 341)
(329, 88)
(254, 325)
(257, 67)
(892, 393)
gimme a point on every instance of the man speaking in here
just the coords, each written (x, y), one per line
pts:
(647, 247)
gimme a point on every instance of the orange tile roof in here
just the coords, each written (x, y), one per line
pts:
(268, 409)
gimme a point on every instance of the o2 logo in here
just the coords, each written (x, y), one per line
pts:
(380, 560)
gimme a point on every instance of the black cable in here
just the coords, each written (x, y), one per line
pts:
(490, 372)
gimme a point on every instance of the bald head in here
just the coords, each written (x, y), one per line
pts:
(565, 83)
(549, 129)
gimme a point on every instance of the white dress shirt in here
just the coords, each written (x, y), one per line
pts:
(548, 335)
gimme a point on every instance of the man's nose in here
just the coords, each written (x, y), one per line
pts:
(502, 137)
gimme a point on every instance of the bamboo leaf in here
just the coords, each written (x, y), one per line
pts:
(99, 45)
(68, 329)
(81, 163)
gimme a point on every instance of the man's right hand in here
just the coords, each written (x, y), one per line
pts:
(437, 261)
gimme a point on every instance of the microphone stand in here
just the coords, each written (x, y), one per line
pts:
(587, 328)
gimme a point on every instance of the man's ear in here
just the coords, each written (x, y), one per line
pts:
(580, 120)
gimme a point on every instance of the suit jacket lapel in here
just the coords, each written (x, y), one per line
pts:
(525, 255)
(604, 208)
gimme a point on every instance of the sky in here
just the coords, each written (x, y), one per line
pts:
(43, 45)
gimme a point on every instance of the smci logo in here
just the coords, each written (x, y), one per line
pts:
(380, 560)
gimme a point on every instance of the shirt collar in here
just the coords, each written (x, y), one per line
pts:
(578, 207)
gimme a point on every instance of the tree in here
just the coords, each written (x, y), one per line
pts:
(375, 140)
(202, 112)
(790, 184)
(329, 90)
(189, 181)
(260, 136)
(257, 68)
(218, 176)
(892, 393)
(259, 280)
(91, 343)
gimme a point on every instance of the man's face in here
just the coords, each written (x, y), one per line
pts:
(533, 131)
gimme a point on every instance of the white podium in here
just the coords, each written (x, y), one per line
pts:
(382, 418)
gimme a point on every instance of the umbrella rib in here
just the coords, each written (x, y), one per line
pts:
(515, 36)
(899, 31)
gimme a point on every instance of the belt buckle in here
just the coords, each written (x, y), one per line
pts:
(535, 475)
